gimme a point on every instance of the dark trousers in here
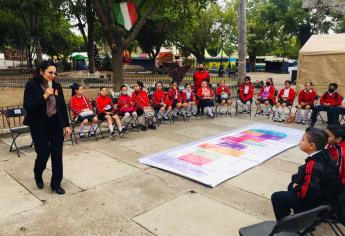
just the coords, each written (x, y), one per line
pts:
(316, 111)
(48, 140)
(284, 201)
(333, 114)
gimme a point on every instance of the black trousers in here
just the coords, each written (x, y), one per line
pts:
(316, 111)
(284, 201)
(333, 114)
(48, 140)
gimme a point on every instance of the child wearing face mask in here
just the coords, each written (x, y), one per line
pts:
(266, 97)
(126, 108)
(306, 99)
(329, 99)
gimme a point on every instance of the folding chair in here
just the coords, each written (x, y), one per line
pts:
(236, 105)
(18, 113)
(297, 224)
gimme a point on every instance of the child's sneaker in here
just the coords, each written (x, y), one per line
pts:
(304, 122)
(113, 134)
(82, 135)
(275, 119)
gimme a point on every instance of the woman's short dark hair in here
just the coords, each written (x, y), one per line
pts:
(335, 85)
(338, 130)
(317, 136)
(43, 66)
(123, 86)
(140, 84)
(75, 87)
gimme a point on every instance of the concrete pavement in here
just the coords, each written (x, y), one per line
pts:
(110, 193)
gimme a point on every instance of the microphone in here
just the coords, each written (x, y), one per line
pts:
(50, 84)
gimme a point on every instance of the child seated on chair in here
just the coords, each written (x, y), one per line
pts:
(266, 97)
(306, 101)
(159, 100)
(174, 100)
(126, 107)
(105, 111)
(82, 110)
(336, 148)
(205, 96)
(245, 95)
(142, 104)
(329, 99)
(188, 100)
(317, 181)
(223, 94)
(286, 96)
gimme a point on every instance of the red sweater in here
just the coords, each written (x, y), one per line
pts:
(200, 76)
(222, 89)
(125, 100)
(171, 96)
(200, 95)
(291, 96)
(78, 104)
(333, 98)
(337, 152)
(250, 92)
(307, 97)
(103, 103)
(271, 95)
(184, 96)
(141, 99)
(158, 97)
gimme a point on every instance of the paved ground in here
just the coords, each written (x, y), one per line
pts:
(110, 193)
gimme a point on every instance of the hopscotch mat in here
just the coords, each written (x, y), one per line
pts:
(213, 160)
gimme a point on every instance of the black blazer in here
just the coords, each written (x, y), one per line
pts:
(35, 104)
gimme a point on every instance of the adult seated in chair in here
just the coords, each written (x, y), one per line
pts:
(223, 94)
(286, 96)
(334, 112)
(105, 111)
(205, 96)
(317, 181)
(306, 101)
(266, 97)
(82, 110)
(329, 99)
(246, 95)
(142, 104)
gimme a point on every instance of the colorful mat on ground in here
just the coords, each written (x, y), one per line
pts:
(216, 159)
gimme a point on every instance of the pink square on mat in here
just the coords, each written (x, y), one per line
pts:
(195, 159)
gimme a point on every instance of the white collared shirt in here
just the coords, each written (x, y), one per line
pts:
(286, 93)
(246, 89)
(312, 154)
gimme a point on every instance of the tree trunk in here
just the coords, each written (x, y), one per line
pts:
(38, 49)
(117, 68)
(90, 18)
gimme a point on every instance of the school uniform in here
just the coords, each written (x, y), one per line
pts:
(46, 119)
(205, 101)
(223, 93)
(337, 152)
(307, 97)
(78, 104)
(173, 97)
(267, 94)
(287, 94)
(188, 96)
(104, 104)
(317, 183)
(141, 100)
(158, 97)
(246, 93)
(125, 99)
(334, 99)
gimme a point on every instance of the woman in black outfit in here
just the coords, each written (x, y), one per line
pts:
(48, 120)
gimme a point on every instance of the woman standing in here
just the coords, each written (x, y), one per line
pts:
(48, 119)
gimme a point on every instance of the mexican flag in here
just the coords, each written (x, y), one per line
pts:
(125, 14)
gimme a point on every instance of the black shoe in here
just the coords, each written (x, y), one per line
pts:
(91, 134)
(58, 190)
(113, 134)
(143, 128)
(152, 127)
(39, 183)
(124, 130)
